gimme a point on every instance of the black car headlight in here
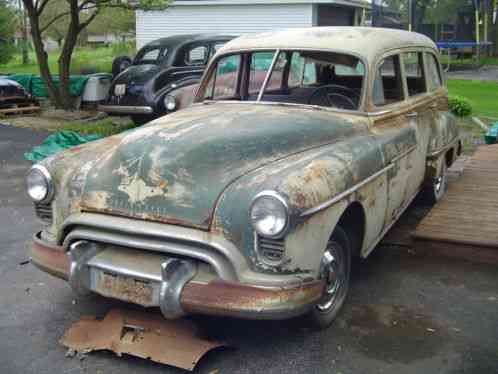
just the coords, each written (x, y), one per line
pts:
(39, 184)
(270, 214)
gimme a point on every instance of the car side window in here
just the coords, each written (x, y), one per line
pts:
(414, 71)
(223, 82)
(302, 72)
(433, 73)
(388, 87)
(197, 55)
(260, 64)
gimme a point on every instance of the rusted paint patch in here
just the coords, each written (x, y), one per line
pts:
(142, 334)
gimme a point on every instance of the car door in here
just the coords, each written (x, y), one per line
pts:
(395, 127)
(421, 115)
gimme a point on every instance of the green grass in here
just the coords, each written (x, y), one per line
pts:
(470, 61)
(84, 60)
(482, 95)
(103, 128)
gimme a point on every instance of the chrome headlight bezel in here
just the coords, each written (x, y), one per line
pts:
(277, 198)
(49, 185)
(170, 103)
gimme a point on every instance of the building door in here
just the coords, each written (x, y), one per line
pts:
(329, 15)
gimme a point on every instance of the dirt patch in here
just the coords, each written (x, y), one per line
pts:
(394, 333)
(55, 119)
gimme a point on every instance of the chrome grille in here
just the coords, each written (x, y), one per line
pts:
(271, 250)
(44, 212)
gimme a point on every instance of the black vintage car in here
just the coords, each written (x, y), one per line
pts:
(162, 76)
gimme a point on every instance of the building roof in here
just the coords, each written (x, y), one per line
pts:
(353, 3)
(367, 42)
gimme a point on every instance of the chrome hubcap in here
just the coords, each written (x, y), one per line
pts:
(334, 273)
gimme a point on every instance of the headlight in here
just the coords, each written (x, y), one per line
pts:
(269, 214)
(170, 102)
(39, 184)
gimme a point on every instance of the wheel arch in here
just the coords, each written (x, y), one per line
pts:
(353, 222)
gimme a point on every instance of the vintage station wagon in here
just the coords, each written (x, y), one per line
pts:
(302, 149)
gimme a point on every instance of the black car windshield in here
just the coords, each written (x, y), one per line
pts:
(150, 54)
(325, 79)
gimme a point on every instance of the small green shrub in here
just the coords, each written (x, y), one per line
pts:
(460, 106)
(103, 128)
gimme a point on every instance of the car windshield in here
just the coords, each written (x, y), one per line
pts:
(150, 54)
(325, 79)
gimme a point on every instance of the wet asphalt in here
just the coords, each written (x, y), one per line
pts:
(406, 313)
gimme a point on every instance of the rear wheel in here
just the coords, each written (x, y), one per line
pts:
(335, 269)
(436, 188)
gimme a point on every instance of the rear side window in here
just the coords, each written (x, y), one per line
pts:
(414, 71)
(433, 73)
(197, 55)
(302, 73)
(388, 87)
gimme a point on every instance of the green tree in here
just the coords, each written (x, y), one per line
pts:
(7, 30)
(79, 15)
(113, 21)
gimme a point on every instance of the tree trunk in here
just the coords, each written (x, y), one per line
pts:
(65, 57)
(24, 34)
(41, 55)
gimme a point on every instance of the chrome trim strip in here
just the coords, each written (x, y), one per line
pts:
(346, 193)
(188, 72)
(277, 103)
(326, 204)
(436, 154)
(122, 109)
(268, 75)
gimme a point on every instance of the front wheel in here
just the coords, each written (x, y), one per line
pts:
(335, 269)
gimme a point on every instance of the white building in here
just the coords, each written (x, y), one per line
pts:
(238, 17)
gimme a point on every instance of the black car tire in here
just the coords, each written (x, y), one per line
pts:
(324, 312)
(120, 64)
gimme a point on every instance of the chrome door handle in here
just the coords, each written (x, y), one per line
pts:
(411, 115)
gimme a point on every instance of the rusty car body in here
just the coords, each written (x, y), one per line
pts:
(162, 77)
(302, 149)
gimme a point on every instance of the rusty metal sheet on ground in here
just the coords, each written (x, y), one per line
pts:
(142, 334)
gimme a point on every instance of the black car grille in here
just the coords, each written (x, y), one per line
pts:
(44, 212)
(272, 250)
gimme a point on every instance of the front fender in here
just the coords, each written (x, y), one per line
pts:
(307, 180)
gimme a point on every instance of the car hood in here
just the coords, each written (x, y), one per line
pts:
(175, 169)
(137, 74)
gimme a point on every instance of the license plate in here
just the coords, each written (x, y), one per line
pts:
(120, 89)
(124, 288)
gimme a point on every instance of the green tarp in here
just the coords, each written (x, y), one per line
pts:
(35, 86)
(56, 143)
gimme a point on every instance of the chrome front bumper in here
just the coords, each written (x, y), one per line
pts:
(177, 285)
(125, 109)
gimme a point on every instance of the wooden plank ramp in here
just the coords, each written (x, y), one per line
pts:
(464, 224)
